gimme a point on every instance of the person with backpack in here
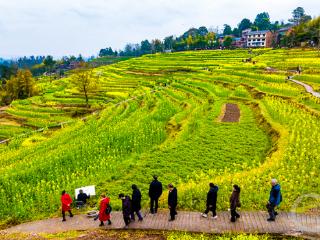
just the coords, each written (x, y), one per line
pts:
(234, 203)
(126, 208)
(104, 210)
(66, 201)
(172, 201)
(211, 203)
(155, 191)
(136, 203)
(275, 199)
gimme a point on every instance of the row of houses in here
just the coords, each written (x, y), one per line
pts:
(264, 38)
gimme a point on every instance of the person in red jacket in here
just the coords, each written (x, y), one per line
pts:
(66, 205)
(103, 216)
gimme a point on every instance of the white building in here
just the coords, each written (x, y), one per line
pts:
(259, 39)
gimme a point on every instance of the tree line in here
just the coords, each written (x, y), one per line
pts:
(19, 86)
(203, 38)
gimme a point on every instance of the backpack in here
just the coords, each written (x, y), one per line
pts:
(108, 209)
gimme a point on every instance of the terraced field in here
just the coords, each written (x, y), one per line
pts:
(170, 126)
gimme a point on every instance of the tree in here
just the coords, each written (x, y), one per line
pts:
(244, 24)
(7, 71)
(275, 26)
(227, 30)
(80, 58)
(85, 81)
(189, 41)
(106, 52)
(49, 62)
(179, 45)
(262, 21)
(236, 32)
(210, 37)
(227, 42)
(168, 42)
(192, 31)
(146, 47)
(20, 86)
(157, 45)
(202, 31)
(306, 32)
(299, 16)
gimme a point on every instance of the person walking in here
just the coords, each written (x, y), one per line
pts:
(126, 208)
(172, 201)
(275, 199)
(66, 201)
(136, 202)
(104, 210)
(155, 191)
(234, 203)
(211, 203)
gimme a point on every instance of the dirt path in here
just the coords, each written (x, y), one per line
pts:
(250, 222)
(308, 88)
(2, 109)
(231, 113)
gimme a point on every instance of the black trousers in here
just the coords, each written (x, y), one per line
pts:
(173, 212)
(234, 214)
(271, 210)
(126, 219)
(154, 205)
(64, 214)
(212, 209)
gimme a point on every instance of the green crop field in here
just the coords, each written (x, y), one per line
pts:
(161, 114)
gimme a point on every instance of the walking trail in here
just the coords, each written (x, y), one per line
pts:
(308, 88)
(250, 222)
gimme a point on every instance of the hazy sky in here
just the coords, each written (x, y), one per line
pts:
(65, 27)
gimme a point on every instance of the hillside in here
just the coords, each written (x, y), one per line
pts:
(163, 114)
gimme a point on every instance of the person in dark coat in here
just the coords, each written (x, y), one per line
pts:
(234, 203)
(136, 202)
(211, 201)
(155, 191)
(172, 201)
(82, 198)
(275, 199)
(126, 208)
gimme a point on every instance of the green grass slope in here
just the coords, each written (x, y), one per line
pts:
(170, 127)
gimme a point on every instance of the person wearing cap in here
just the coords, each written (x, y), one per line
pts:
(155, 191)
(234, 203)
(172, 201)
(275, 199)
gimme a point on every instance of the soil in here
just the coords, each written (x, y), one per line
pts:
(115, 235)
(231, 113)
(91, 235)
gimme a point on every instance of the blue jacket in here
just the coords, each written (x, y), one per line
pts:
(275, 195)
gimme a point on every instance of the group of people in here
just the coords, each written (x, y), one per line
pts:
(131, 206)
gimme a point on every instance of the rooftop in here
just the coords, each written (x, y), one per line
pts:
(258, 32)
